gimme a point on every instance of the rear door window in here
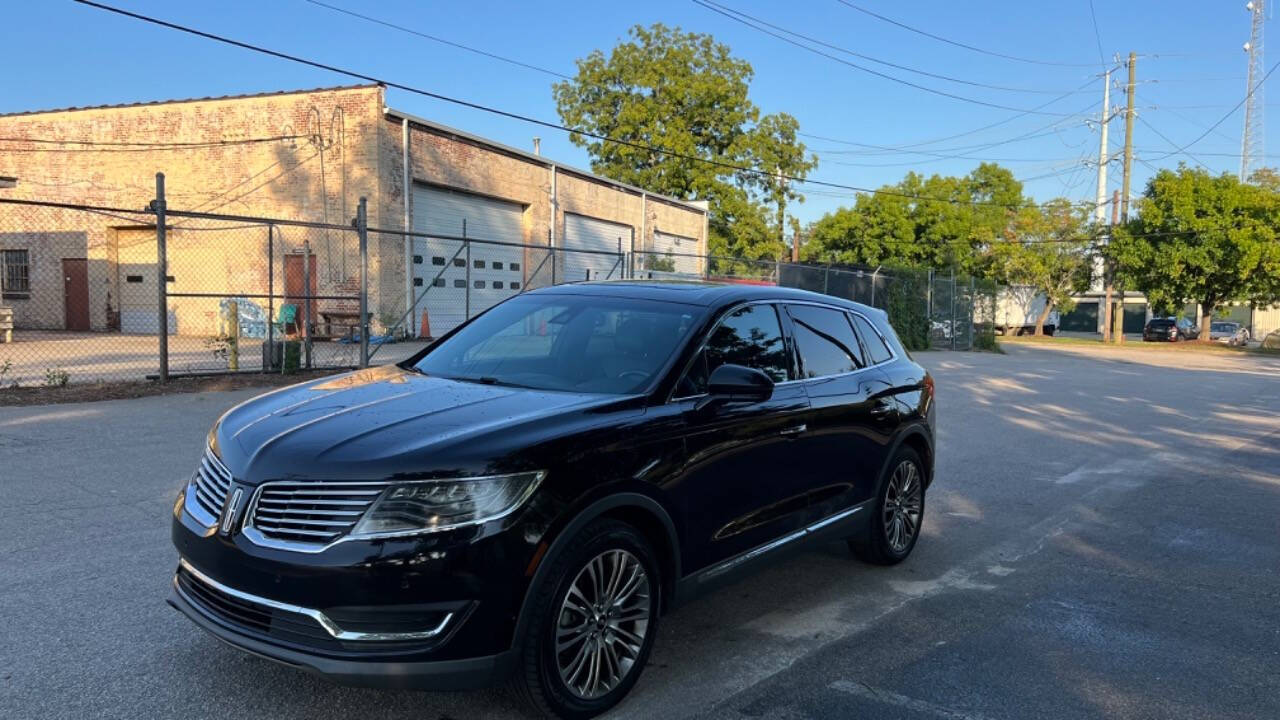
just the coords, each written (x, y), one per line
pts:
(825, 341)
(877, 351)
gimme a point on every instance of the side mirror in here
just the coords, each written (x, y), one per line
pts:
(738, 383)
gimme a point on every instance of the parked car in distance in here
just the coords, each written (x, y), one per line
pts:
(1229, 333)
(1169, 329)
(523, 499)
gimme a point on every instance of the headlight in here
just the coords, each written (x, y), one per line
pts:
(435, 505)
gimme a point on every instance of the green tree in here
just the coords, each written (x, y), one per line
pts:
(686, 95)
(936, 221)
(1201, 238)
(1048, 249)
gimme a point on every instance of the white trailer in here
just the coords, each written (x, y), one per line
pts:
(1017, 308)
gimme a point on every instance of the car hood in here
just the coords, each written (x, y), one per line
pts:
(379, 423)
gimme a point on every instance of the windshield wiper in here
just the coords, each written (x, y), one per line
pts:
(491, 380)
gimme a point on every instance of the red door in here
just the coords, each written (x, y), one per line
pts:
(295, 290)
(75, 293)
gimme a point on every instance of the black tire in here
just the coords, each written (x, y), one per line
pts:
(538, 681)
(876, 543)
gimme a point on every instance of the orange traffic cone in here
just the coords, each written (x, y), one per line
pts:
(424, 332)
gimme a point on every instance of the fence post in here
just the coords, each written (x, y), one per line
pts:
(307, 292)
(362, 230)
(162, 271)
(826, 279)
(953, 308)
(968, 322)
(268, 357)
(928, 301)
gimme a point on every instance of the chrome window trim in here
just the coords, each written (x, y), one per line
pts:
(702, 346)
(319, 617)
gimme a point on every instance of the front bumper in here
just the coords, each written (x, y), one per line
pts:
(460, 674)
(344, 611)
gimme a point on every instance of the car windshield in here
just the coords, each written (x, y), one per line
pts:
(1223, 327)
(574, 343)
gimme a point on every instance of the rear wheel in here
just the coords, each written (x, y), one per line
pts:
(898, 513)
(593, 623)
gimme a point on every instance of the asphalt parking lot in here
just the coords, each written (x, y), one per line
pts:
(1101, 541)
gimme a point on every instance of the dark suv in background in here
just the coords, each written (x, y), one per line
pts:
(1170, 330)
(523, 499)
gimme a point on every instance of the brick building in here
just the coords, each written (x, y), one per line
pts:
(306, 156)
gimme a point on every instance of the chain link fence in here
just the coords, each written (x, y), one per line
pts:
(85, 300)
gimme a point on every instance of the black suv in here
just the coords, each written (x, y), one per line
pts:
(524, 498)
(1170, 330)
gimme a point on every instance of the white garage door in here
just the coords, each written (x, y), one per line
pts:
(601, 236)
(676, 251)
(137, 273)
(496, 272)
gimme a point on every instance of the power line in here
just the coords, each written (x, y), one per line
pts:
(1050, 129)
(1171, 142)
(877, 73)
(1097, 35)
(989, 126)
(957, 43)
(517, 116)
(440, 40)
(1223, 119)
(725, 10)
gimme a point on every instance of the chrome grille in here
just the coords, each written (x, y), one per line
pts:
(311, 513)
(212, 481)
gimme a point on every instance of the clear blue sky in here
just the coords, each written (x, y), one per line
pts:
(1191, 71)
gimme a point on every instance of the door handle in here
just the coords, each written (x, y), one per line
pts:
(882, 410)
(793, 431)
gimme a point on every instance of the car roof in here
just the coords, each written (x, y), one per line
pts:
(700, 292)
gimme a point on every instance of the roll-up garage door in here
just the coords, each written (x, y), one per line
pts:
(461, 282)
(675, 252)
(605, 244)
(136, 255)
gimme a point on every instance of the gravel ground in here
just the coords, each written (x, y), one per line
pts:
(1101, 541)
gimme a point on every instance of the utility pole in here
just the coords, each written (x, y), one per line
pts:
(1118, 330)
(795, 247)
(1100, 207)
(1110, 319)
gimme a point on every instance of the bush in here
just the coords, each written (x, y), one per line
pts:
(908, 308)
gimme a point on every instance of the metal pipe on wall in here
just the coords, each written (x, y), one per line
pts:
(408, 240)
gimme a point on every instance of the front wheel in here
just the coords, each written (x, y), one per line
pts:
(898, 513)
(593, 624)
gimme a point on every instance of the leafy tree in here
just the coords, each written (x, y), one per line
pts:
(1202, 238)
(936, 221)
(1048, 250)
(686, 95)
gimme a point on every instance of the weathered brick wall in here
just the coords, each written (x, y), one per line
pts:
(316, 176)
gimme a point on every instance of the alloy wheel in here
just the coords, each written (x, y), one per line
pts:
(602, 624)
(902, 506)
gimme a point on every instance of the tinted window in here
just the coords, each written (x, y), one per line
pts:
(1161, 323)
(573, 343)
(750, 336)
(876, 348)
(825, 340)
